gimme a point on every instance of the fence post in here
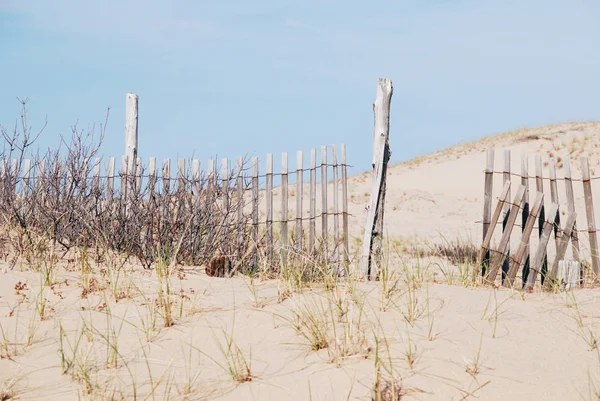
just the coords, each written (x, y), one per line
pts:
(539, 183)
(487, 207)
(284, 207)
(269, 206)
(554, 198)
(525, 214)
(299, 193)
(131, 144)
(381, 152)
(255, 212)
(324, 210)
(591, 219)
(507, 210)
(346, 248)
(336, 218)
(131, 129)
(571, 209)
(312, 227)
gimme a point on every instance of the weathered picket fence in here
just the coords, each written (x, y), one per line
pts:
(548, 221)
(252, 211)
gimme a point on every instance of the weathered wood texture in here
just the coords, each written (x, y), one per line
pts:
(372, 241)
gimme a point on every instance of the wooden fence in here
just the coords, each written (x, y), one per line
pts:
(543, 215)
(298, 215)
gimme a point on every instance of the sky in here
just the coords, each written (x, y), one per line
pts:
(230, 78)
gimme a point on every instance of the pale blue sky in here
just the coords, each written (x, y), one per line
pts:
(232, 77)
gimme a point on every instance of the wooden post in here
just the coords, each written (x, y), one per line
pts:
(240, 207)
(166, 190)
(525, 215)
(131, 143)
(504, 241)
(210, 203)
(166, 176)
(299, 194)
(591, 219)
(151, 179)
(539, 183)
(138, 177)
(374, 225)
(110, 183)
(313, 202)
(336, 217)
(181, 187)
(560, 250)
(123, 193)
(255, 211)
(96, 179)
(540, 255)
(324, 210)
(522, 251)
(571, 209)
(487, 204)
(485, 246)
(196, 206)
(269, 205)
(507, 210)
(131, 128)
(284, 207)
(26, 178)
(554, 198)
(225, 207)
(151, 196)
(346, 248)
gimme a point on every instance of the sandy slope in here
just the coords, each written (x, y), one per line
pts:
(467, 343)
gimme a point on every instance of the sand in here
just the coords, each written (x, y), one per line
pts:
(236, 339)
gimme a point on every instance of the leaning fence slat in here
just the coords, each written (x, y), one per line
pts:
(560, 250)
(503, 246)
(345, 249)
(299, 194)
(540, 255)
(507, 209)
(485, 246)
(284, 207)
(522, 253)
(487, 198)
(313, 201)
(525, 214)
(324, 210)
(554, 198)
(571, 209)
(539, 184)
(269, 205)
(591, 219)
(336, 219)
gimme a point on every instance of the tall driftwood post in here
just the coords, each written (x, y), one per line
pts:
(131, 142)
(381, 152)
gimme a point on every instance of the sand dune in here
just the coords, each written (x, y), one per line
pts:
(101, 335)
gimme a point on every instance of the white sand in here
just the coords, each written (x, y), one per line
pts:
(530, 346)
